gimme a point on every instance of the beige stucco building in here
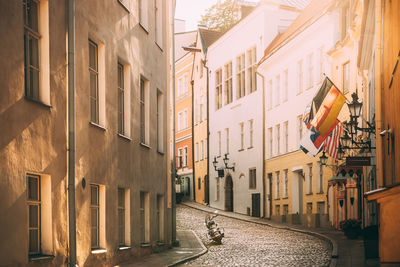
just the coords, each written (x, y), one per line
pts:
(122, 85)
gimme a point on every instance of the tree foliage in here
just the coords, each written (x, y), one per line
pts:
(221, 16)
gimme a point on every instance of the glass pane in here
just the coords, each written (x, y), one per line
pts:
(94, 217)
(93, 85)
(33, 216)
(94, 195)
(33, 188)
(94, 238)
(93, 109)
(92, 56)
(34, 84)
(32, 9)
(120, 76)
(33, 240)
(33, 52)
(121, 196)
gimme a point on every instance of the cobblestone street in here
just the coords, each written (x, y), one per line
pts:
(249, 244)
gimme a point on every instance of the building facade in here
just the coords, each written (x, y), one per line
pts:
(121, 89)
(236, 104)
(293, 68)
(184, 115)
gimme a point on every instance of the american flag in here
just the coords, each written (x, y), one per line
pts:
(331, 143)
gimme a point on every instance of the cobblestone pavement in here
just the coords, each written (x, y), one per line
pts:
(249, 244)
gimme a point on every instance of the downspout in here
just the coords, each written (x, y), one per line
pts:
(193, 159)
(71, 134)
(263, 139)
(173, 174)
(379, 9)
(208, 132)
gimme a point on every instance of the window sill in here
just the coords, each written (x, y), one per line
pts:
(159, 243)
(240, 150)
(40, 257)
(37, 102)
(250, 147)
(144, 28)
(99, 251)
(285, 197)
(252, 188)
(144, 145)
(122, 4)
(160, 152)
(309, 194)
(124, 137)
(145, 245)
(123, 248)
(320, 193)
(97, 125)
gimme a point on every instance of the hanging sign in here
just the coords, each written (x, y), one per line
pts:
(358, 161)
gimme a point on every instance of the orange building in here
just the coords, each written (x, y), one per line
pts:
(184, 115)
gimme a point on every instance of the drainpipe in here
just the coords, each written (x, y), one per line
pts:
(71, 133)
(208, 132)
(193, 159)
(263, 139)
(173, 174)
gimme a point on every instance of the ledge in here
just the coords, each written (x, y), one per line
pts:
(240, 150)
(37, 102)
(97, 125)
(124, 137)
(146, 30)
(123, 248)
(308, 194)
(250, 147)
(162, 50)
(99, 251)
(160, 152)
(40, 257)
(144, 145)
(145, 245)
(122, 4)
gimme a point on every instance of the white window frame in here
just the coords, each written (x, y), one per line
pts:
(277, 90)
(251, 132)
(241, 125)
(228, 89)
(240, 76)
(251, 70)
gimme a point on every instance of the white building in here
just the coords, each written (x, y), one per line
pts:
(236, 107)
(293, 68)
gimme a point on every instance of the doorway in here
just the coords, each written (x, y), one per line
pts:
(229, 193)
(255, 205)
(206, 190)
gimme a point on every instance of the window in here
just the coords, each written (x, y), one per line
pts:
(286, 136)
(198, 183)
(300, 76)
(34, 213)
(143, 14)
(94, 82)
(285, 85)
(180, 157)
(144, 218)
(278, 209)
(217, 180)
(160, 121)
(277, 90)
(285, 183)
(310, 178)
(277, 195)
(310, 80)
(300, 128)
(31, 41)
(160, 217)
(241, 136)
(227, 140)
(144, 111)
(270, 142)
(252, 179)
(345, 20)
(346, 77)
(158, 14)
(219, 144)
(95, 216)
(196, 152)
(36, 51)
(121, 125)
(321, 179)
(251, 70)
(182, 120)
(240, 78)
(218, 89)
(251, 133)
(228, 83)
(185, 156)
(278, 139)
(123, 217)
(201, 150)
(285, 209)
(182, 85)
(270, 94)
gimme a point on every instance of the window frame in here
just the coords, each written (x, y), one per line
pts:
(240, 76)
(251, 69)
(37, 203)
(95, 118)
(121, 212)
(218, 89)
(121, 99)
(252, 178)
(228, 83)
(95, 206)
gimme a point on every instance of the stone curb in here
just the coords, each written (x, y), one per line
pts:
(204, 251)
(332, 242)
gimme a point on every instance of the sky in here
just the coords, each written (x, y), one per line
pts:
(191, 11)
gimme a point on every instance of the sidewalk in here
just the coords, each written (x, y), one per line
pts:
(345, 252)
(190, 246)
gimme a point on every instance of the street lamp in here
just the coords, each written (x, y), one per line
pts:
(215, 162)
(346, 139)
(323, 159)
(355, 106)
(226, 159)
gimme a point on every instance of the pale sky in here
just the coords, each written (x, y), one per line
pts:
(191, 11)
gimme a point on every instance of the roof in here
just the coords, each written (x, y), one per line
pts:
(183, 39)
(312, 12)
(209, 36)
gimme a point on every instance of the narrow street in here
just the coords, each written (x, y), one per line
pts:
(249, 244)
